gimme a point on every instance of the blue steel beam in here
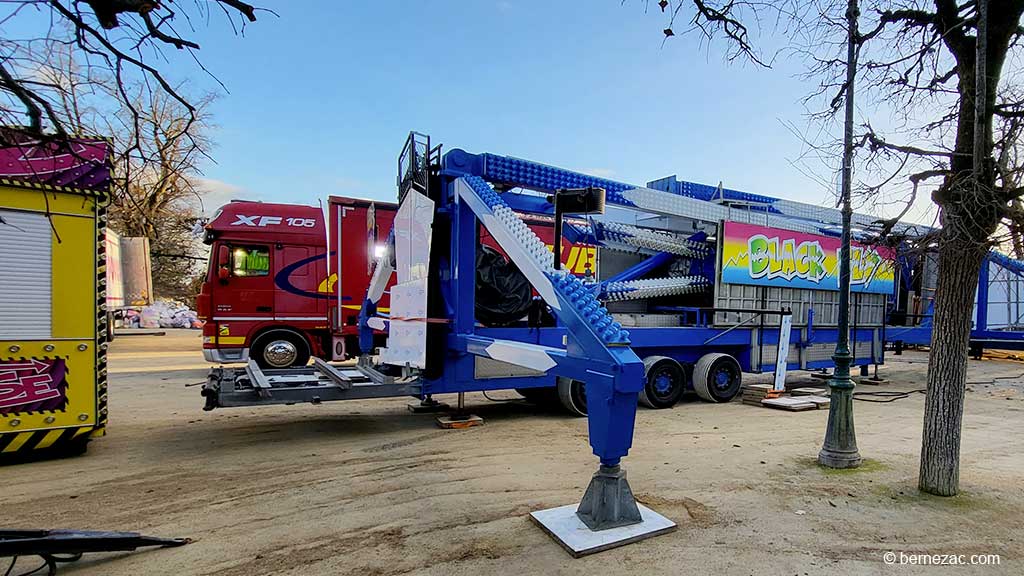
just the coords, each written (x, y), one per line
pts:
(510, 172)
(642, 268)
(1011, 264)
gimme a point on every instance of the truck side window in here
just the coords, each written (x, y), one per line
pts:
(250, 261)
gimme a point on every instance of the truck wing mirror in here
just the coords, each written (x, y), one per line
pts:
(223, 270)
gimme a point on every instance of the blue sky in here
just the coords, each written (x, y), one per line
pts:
(321, 98)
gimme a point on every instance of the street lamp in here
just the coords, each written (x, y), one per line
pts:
(840, 447)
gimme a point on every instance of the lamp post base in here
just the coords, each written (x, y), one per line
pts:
(840, 447)
(833, 459)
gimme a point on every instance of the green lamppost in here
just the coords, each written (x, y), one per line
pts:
(840, 448)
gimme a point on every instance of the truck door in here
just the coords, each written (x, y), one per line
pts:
(298, 278)
(249, 291)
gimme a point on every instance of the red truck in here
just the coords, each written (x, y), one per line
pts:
(272, 292)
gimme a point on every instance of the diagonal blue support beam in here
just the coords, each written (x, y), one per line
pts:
(596, 348)
(642, 268)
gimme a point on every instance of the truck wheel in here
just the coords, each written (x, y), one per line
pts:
(717, 377)
(280, 349)
(665, 382)
(573, 396)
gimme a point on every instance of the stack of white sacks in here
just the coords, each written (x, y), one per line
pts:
(166, 314)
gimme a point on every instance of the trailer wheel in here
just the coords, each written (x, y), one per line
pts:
(280, 349)
(717, 377)
(665, 382)
(573, 396)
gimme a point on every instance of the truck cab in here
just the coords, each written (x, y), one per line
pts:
(269, 292)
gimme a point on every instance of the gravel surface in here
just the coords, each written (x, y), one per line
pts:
(366, 488)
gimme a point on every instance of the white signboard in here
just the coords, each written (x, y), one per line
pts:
(407, 330)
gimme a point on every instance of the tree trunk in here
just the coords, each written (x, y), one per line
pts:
(959, 266)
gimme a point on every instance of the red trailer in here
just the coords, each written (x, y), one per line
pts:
(271, 291)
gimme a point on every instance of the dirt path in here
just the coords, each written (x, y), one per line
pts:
(367, 488)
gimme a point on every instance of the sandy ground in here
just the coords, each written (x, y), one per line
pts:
(367, 488)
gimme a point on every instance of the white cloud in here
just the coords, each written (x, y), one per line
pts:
(217, 193)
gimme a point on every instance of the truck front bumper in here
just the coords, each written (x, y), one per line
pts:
(226, 355)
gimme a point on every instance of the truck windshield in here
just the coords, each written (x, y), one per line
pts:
(250, 261)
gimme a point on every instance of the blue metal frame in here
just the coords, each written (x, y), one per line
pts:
(587, 345)
(981, 336)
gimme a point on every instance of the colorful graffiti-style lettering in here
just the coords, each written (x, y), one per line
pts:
(26, 383)
(762, 256)
(864, 264)
(770, 258)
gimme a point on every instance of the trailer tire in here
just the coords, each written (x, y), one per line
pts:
(573, 396)
(665, 382)
(279, 349)
(717, 377)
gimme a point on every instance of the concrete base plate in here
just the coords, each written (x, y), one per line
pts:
(464, 421)
(416, 407)
(578, 540)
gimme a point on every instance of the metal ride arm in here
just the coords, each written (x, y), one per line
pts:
(597, 348)
(58, 546)
(667, 197)
(509, 171)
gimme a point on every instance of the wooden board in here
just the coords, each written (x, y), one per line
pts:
(821, 402)
(809, 391)
(789, 403)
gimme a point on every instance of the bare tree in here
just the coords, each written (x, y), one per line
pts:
(159, 146)
(157, 191)
(122, 39)
(917, 74)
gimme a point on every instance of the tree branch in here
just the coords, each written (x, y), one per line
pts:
(155, 32)
(24, 95)
(876, 142)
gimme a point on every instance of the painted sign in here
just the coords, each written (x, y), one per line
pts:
(80, 163)
(773, 257)
(32, 385)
